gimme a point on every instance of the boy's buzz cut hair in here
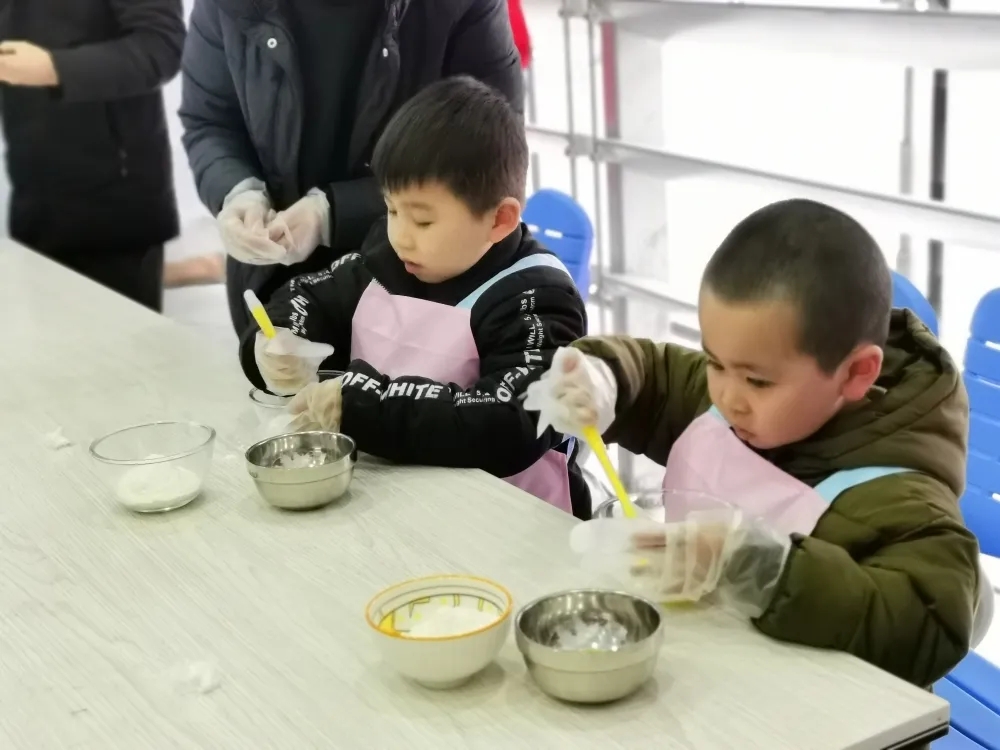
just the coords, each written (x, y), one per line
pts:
(462, 134)
(819, 259)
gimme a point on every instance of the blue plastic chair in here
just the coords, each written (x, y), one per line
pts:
(969, 717)
(561, 224)
(973, 687)
(955, 740)
(904, 294)
(982, 381)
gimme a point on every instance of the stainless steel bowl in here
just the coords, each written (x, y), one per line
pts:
(590, 645)
(322, 470)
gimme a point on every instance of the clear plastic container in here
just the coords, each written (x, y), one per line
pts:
(266, 405)
(156, 467)
(270, 410)
(661, 505)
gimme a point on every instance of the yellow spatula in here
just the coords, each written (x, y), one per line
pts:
(593, 439)
(259, 314)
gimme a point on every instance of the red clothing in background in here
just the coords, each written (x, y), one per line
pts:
(520, 28)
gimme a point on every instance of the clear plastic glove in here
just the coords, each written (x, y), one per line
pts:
(577, 391)
(302, 227)
(243, 225)
(718, 553)
(288, 363)
(318, 406)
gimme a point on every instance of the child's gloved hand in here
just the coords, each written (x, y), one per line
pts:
(318, 406)
(712, 551)
(288, 363)
(716, 552)
(577, 391)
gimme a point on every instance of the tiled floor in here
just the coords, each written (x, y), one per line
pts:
(204, 309)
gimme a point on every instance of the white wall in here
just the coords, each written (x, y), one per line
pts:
(823, 117)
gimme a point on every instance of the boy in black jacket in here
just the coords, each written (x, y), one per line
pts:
(448, 312)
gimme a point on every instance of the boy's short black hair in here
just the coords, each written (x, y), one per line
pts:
(461, 133)
(822, 261)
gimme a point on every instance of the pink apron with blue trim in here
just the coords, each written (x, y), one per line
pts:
(402, 336)
(708, 458)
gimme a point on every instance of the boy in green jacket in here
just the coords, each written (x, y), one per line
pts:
(834, 428)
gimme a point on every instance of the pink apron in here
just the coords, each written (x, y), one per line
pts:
(708, 458)
(402, 336)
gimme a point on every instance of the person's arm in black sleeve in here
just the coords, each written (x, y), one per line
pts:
(415, 420)
(354, 206)
(482, 46)
(144, 56)
(314, 306)
(215, 135)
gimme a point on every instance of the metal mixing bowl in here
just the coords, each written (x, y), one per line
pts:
(590, 645)
(329, 459)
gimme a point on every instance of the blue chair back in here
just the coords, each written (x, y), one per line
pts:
(980, 505)
(905, 294)
(561, 224)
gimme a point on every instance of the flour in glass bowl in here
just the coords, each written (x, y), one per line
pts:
(442, 622)
(157, 487)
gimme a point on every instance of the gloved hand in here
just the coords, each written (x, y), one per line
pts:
(288, 363)
(577, 391)
(717, 552)
(243, 225)
(302, 227)
(318, 406)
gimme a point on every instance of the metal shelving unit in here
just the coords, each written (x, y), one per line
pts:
(627, 36)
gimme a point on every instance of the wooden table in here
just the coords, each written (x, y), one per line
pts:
(101, 611)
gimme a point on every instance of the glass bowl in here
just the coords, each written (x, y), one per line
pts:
(266, 405)
(661, 505)
(155, 467)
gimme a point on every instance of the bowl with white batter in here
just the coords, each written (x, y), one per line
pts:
(155, 467)
(441, 630)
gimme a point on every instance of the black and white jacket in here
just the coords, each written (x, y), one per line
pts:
(517, 323)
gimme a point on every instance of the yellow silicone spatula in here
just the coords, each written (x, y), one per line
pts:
(259, 314)
(593, 439)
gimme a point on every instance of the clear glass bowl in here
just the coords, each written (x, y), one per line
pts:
(267, 405)
(155, 467)
(661, 505)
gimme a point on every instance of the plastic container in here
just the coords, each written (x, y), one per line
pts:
(266, 405)
(155, 467)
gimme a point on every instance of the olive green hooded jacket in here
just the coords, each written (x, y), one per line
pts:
(890, 573)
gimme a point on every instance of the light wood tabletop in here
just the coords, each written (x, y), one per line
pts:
(102, 612)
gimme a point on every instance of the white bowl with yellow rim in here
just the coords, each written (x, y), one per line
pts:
(441, 630)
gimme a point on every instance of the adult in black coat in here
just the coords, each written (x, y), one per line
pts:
(87, 147)
(283, 102)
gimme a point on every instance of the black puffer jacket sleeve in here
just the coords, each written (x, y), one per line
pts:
(517, 325)
(215, 134)
(315, 306)
(482, 46)
(144, 56)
